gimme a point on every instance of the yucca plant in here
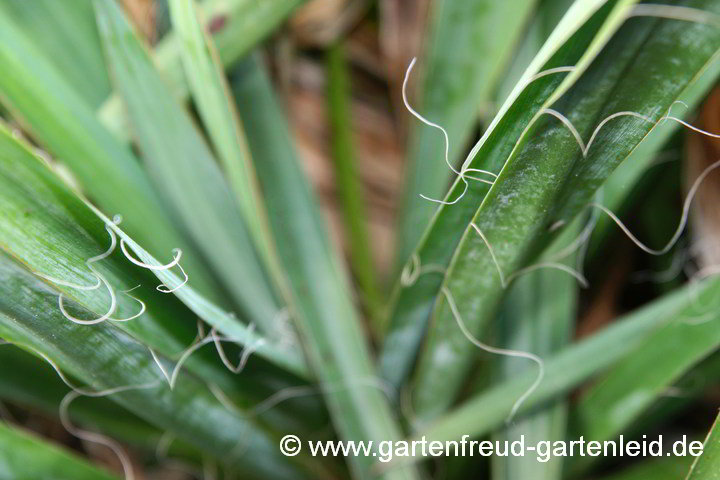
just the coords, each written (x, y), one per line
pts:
(169, 291)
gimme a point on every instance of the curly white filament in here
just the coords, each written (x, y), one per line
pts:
(172, 376)
(107, 315)
(412, 271)
(674, 12)
(139, 313)
(423, 119)
(445, 135)
(683, 219)
(462, 174)
(583, 147)
(499, 351)
(76, 392)
(93, 437)
(101, 278)
(553, 265)
(177, 254)
(246, 352)
(505, 281)
(165, 289)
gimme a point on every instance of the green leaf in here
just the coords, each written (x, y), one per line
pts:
(618, 187)
(548, 179)
(538, 316)
(707, 466)
(27, 457)
(681, 397)
(470, 43)
(236, 26)
(69, 39)
(31, 383)
(185, 172)
(50, 230)
(28, 381)
(53, 232)
(103, 357)
(545, 18)
(327, 322)
(349, 187)
(668, 468)
(576, 363)
(53, 112)
(634, 384)
(210, 92)
(413, 301)
(286, 356)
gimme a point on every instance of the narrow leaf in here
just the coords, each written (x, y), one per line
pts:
(346, 178)
(184, 170)
(328, 323)
(610, 406)
(53, 232)
(104, 358)
(538, 316)
(470, 43)
(707, 466)
(619, 185)
(236, 26)
(210, 92)
(30, 382)
(549, 178)
(414, 300)
(25, 456)
(69, 39)
(52, 111)
(573, 365)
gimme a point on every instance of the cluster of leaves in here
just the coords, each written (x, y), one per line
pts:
(80, 84)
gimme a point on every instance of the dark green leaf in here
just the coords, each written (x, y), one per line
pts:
(470, 43)
(548, 179)
(413, 301)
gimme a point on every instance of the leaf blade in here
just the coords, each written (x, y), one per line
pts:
(185, 171)
(573, 365)
(70, 40)
(413, 302)
(538, 316)
(350, 188)
(530, 198)
(42, 100)
(53, 232)
(26, 456)
(469, 43)
(105, 358)
(707, 466)
(240, 24)
(327, 322)
(210, 91)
